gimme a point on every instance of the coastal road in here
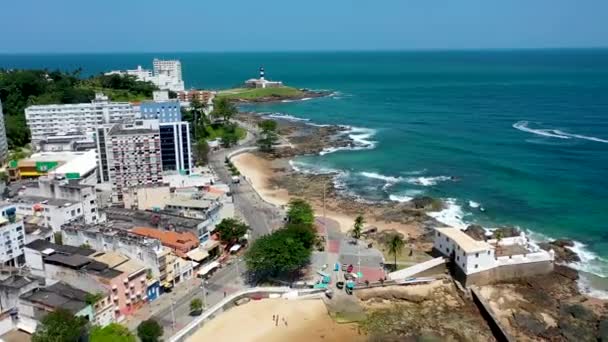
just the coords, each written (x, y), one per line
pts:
(262, 217)
(172, 310)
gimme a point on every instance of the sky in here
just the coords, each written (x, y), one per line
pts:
(60, 26)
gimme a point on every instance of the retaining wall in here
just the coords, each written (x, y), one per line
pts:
(486, 311)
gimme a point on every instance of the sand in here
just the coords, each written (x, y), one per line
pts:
(259, 172)
(307, 320)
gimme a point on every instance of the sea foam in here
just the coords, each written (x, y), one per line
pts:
(427, 181)
(361, 138)
(554, 133)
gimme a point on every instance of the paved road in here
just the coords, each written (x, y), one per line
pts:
(262, 217)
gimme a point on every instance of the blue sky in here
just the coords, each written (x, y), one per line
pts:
(284, 25)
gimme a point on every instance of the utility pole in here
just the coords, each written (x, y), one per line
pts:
(204, 294)
(172, 316)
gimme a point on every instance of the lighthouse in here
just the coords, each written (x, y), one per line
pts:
(261, 73)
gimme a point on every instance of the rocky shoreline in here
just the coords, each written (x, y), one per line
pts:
(562, 313)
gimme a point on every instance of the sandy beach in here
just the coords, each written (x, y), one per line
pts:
(263, 174)
(307, 320)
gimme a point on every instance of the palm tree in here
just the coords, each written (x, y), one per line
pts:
(358, 226)
(499, 235)
(395, 245)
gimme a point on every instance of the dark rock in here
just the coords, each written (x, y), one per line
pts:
(529, 323)
(603, 331)
(563, 243)
(424, 202)
(506, 232)
(576, 330)
(577, 311)
(562, 253)
(566, 272)
(476, 231)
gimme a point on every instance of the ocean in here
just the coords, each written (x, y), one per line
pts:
(507, 138)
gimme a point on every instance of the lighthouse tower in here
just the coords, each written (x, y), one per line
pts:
(261, 73)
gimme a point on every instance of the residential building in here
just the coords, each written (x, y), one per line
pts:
(35, 229)
(45, 120)
(483, 262)
(67, 141)
(162, 219)
(203, 96)
(167, 74)
(3, 140)
(14, 286)
(180, 243)
(163, 111)
(37, 303)
(144, 197)
(115, 237)
(160, 95)
(176, 147)
(12, 236)
(130, 155)
(120, 281)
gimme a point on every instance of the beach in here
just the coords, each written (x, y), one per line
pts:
(307, 320)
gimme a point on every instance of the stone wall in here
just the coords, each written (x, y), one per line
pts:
(502, 273)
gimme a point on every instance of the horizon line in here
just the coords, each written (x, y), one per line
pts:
(304, 51)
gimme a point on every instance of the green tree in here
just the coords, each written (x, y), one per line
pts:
(58, 238)
(300, 212)
(223, 108)
(112, 332)
(196, 305)
(395, 245)
(277, 254)
(358, 226)
(149, 331)
(231, 229)
(60, 326)
(199, 118)
(269, 135)
(201, 152)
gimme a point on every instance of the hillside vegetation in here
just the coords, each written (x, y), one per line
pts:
(22, 88)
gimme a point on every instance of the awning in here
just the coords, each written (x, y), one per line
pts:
(235, 248)
(209, 244)
(197, 254)
(208, 268)
(26, 327)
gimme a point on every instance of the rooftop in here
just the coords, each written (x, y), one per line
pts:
(41, 245)
(119, 262)
(144, 217)
(59, 295)
(467, 243)
(82, 164)
(169, 238)
(55, 202)
(17, 281)
(181, 201)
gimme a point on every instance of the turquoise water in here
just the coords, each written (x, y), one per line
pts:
(523, 133)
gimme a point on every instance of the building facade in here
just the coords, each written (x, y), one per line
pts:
(163, 111)
(176, 147)
(3, 140)
(130, 155)
(167, 74)
(45, 120)
(12, 236)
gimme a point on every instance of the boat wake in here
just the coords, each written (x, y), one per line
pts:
(554, 133)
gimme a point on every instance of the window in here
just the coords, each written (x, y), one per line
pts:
(73, 212)
(78, 211)
(476, 265)
(457, 258)
(488, 252)
(477, 255)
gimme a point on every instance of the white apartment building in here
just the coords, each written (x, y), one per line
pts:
(130, 155)
(45, 120)
(12, 236)
(167, 74)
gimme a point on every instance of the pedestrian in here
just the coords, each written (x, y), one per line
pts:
(273, 318)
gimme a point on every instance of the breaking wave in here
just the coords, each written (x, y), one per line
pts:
(361, 140)
(427, 181)
(554, 133)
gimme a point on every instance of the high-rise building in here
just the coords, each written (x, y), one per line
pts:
(12, 235)
(176, 146)
(45, 120)
(163, 111)
(130, 155)
(3, 141)
(167, 74)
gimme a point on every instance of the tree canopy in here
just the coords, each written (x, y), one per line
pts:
(149, 331)
(231, 229)
(285, 250)
(22, 88)
(60, 326)
(112, 332)
(358, 226)
(223, 108)
(269, 135)
(300, 212)
(395, 245)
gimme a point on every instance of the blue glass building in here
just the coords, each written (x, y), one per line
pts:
(164, 111)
